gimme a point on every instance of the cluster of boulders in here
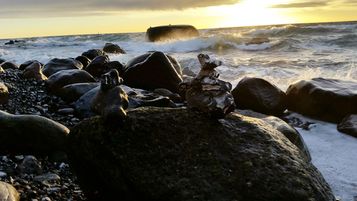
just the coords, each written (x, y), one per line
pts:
(164, 135)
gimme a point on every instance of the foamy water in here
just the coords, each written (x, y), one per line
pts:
(291, 53)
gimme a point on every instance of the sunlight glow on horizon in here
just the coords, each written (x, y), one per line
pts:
(244, 13)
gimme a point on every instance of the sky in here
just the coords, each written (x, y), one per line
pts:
(28, 18)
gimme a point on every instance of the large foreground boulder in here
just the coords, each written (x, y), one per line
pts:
(27, 134)
(348, 125)
(8, 192)
(176, 155)
(151, 71)
(171, 32)
(56, 65)
(259, 95)
(326, 99)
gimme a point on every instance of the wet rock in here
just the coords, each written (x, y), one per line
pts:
(30, 134)
(259, 95)
(48, 177)
(171, 32)
(93, 53)
(111, 101)
(178, 154)
(151, 71)
(4, 93)
(115, 65)
(348, 125)
(84, 60)
(30, 165)
(207, 93)
(113, 48)
(325, 99)
(73, 92)
(24, 65)
(173, 96)
(65, 77)
(8, 192)
(98, 66)
(56, 65)
(2, 70)
(34, 71)
(290, 132)
(83, 104)
(9, 65)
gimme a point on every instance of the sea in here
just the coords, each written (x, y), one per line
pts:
(283, 55)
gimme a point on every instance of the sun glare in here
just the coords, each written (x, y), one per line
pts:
(252, 12)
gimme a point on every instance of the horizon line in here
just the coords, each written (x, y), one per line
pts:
(227, 27)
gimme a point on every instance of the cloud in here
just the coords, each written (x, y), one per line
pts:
(307, 4)
(84, 7)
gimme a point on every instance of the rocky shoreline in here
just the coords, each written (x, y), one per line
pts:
(149, 96)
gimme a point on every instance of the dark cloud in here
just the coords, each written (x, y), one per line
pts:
(80, 7)
(307, 4)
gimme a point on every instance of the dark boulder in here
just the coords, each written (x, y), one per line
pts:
(115, 65)
(9, 65)
(113, 48)
(73, 92)
(4, 93)
(24, 65)
(84, 60)
(34, 71)
(152, 71)
(259, 95)
(171, 32)
(93, 53)
(325, 99)
(56, 65)
(348, 125)
(98, 66)
(176, 155)
(136, 97)
(65, 77)
(27, 134)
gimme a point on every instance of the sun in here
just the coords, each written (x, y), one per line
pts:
(253, 12)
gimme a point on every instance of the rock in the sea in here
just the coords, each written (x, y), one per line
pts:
(65, 77)
(171, 32)
(177, 154)
(113, 48)
(325, 99)
(259, 95)
(152, 71)
(98, 66)
(24, 65)
(4, 93)
(84, 60)
(111, 101)
(93, 53)
(349, 125)
(73, 92)
(56, 65)
(9, 65)
(34, 71)
(8, 192)
(30, 134)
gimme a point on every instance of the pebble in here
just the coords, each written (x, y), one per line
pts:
(47, 177)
